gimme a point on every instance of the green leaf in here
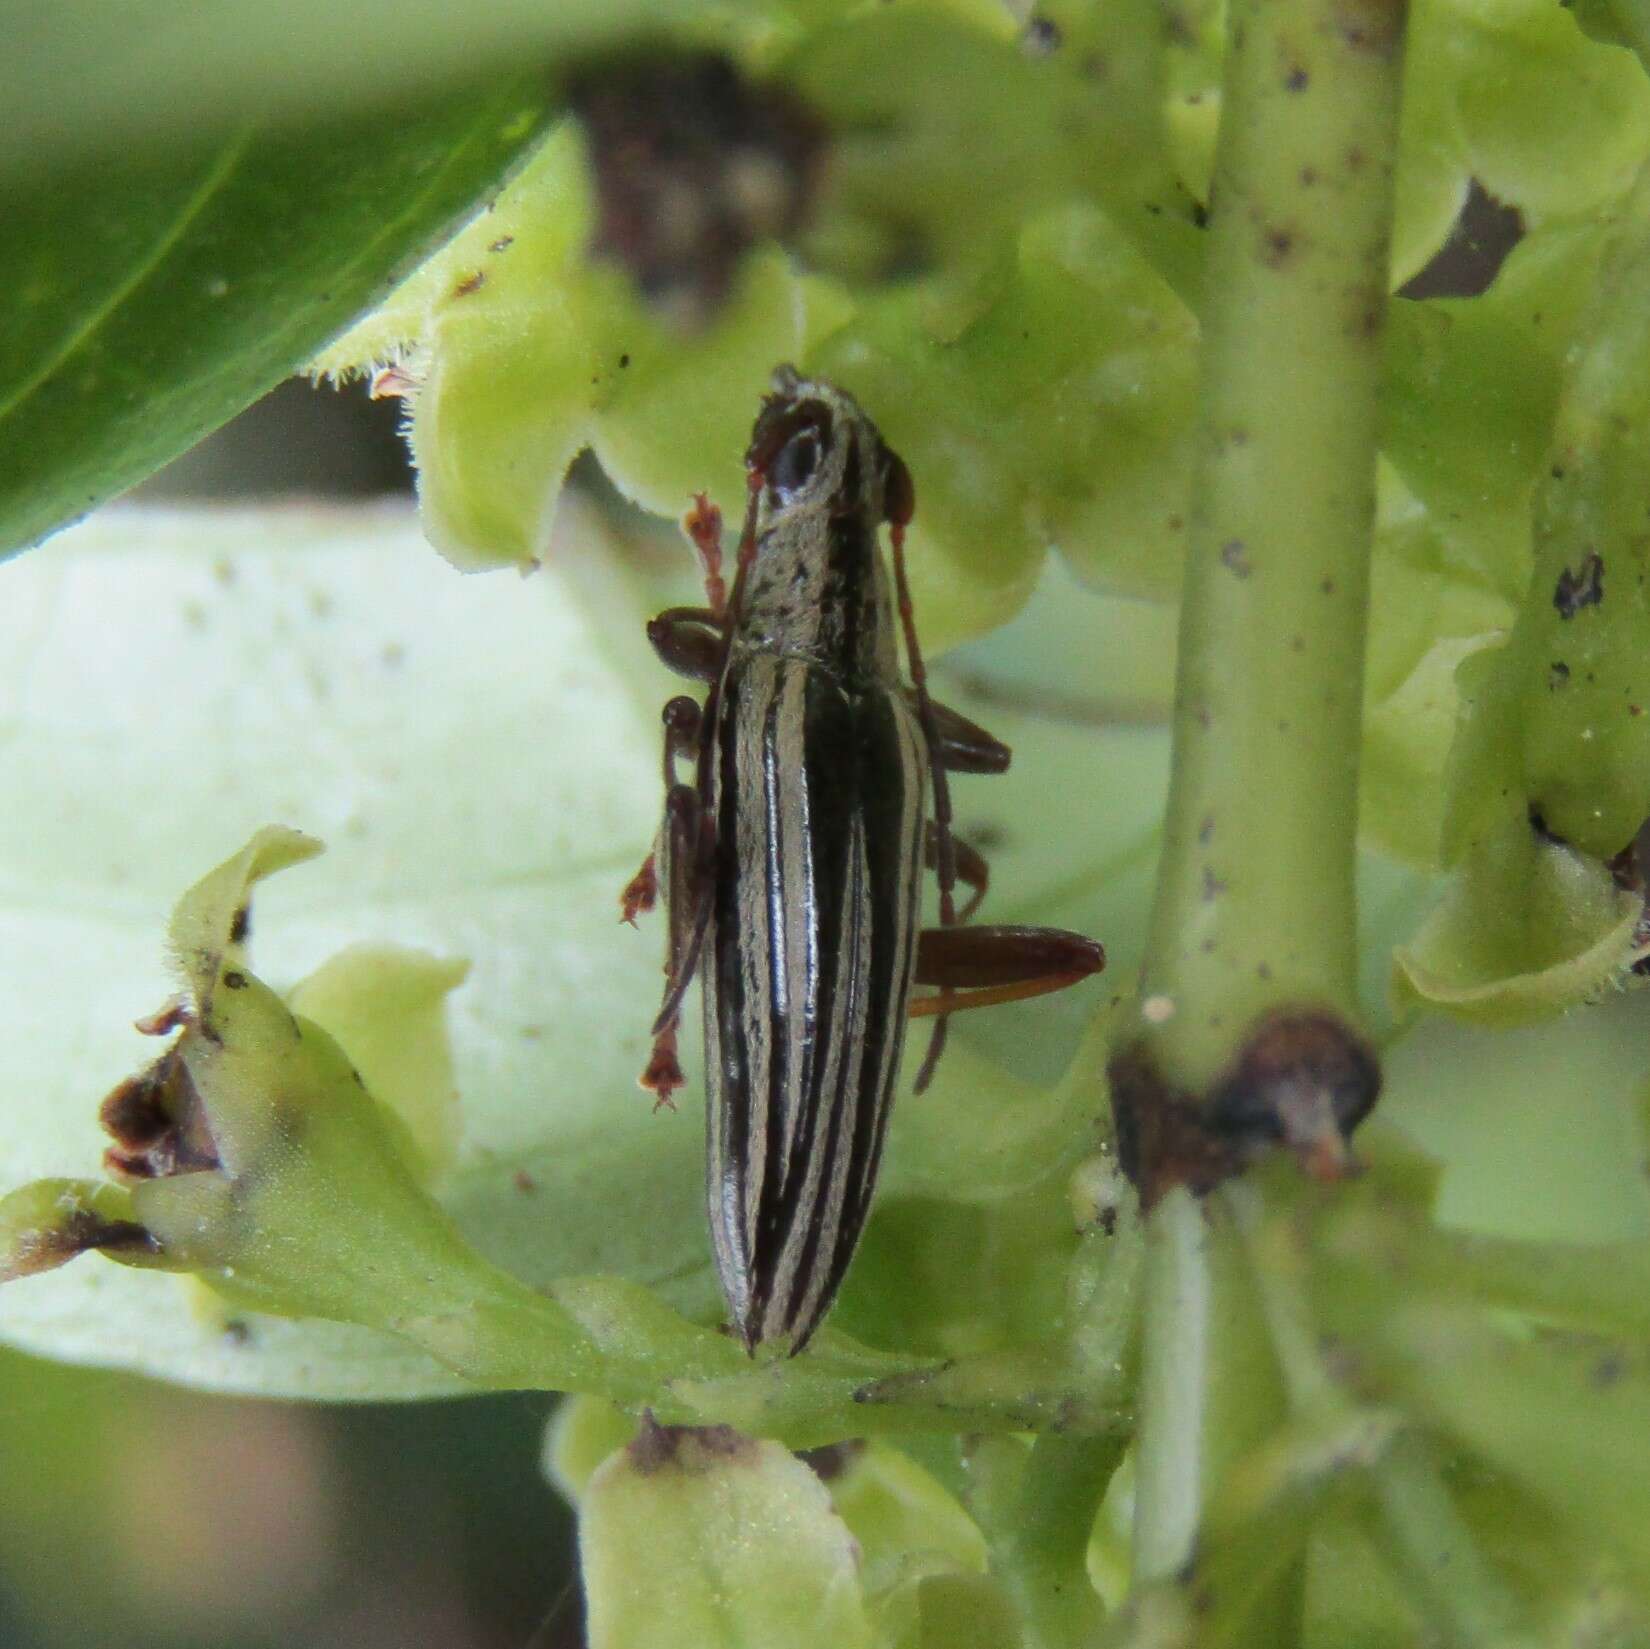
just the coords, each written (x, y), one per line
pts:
(705, 1539)
(1528, 927)
(384, 1005)
(158, 291)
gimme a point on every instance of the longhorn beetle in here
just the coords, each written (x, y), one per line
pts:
(791, 864)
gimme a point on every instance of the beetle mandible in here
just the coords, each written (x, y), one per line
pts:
(791, 863)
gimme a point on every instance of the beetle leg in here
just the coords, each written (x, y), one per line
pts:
(688, 848)
(963, 746)
(689, 640)
(682, 718)
(976, 967)
(971, 867)
(945, 849)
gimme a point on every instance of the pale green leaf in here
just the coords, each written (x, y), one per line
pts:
(709, 1540)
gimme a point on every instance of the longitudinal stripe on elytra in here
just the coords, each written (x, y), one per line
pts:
(817, 951)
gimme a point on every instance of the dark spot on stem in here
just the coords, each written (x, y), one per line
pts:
(240, 925)
(1233, 556)
(470, 284)
(1558, 675)
(234, 980)
(1276, 246)
(1580, 587)
(502, 244)
(1373, 26)
(1040, 37)
(1297, 80)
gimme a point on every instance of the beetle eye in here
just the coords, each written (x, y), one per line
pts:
(795, 464)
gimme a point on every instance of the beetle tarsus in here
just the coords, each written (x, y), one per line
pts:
(641, 892)
(703, 525)
(663, 1075)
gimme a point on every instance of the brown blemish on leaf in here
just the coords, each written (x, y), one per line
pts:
(1308, 176)
(81, 1232)
(234, 979)
(502, 244)
(1232, 556)
(657, 1448)
(1297, 80)
(1581, 587)
(524, 1182)
(240, 925)
(470, 284)
(158, 1124)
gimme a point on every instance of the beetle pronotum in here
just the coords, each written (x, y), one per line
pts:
(791, 864)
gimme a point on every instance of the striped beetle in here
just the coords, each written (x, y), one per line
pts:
(792, 863)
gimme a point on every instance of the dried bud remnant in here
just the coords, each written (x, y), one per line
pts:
(1303, 1079)
(693, 164)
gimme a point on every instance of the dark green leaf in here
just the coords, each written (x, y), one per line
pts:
(154, 294)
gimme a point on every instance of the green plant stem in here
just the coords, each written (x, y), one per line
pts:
(1255, 904)
(1044, 1554)
(1210, 1388)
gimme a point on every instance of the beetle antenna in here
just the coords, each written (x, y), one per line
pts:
(945, 856)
